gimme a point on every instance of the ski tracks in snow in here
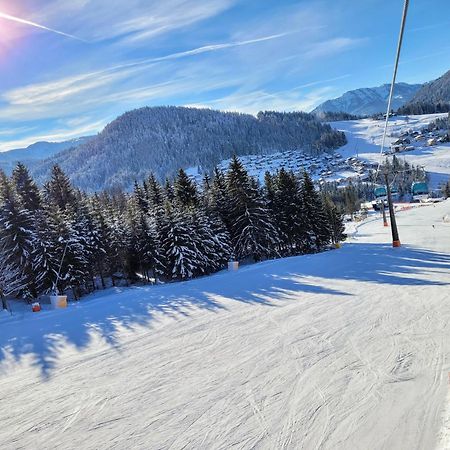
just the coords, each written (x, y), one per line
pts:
(339, 359)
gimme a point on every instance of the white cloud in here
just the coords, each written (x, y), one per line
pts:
(55, 94)
(261, 100)
(331, 46)
(16, 131)
(256, 57)
(316, 82)
(45, 93)
(129, 20)
(323, 48)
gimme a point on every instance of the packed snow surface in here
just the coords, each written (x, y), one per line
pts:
(348, 349)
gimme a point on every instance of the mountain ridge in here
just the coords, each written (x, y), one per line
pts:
(163, 139)
(37, 151)
(368, 101)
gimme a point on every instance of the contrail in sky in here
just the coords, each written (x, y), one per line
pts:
(199, 50)
(36, 25)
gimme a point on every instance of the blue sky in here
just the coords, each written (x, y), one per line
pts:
(68, 67)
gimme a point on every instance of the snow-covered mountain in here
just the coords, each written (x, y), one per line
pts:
(367, 101)
(163, 139)
(37, 152)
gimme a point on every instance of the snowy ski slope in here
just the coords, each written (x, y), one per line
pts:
(348, 349)
(364, 139)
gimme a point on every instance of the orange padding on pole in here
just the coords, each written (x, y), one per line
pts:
(386, 224)
(396, 244)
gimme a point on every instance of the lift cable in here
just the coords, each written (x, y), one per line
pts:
(394, 77)
(395, 236)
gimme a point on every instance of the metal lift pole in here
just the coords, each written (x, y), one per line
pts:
(395, 236)
(394, 229)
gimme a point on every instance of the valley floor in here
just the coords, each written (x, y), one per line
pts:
(348, 349)
(364, 139)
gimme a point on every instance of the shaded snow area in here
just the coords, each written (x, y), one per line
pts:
(364, 139)
(348, 349)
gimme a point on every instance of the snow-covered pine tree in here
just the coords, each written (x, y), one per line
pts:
(26, 188)
(91, 239)
(169, 192)
(155, 255)
(211, 242)
(102, 252)
(73, 226)
(155, 195)
(286, 206)
(252, 230)
(141, 196)
(45, 253)
(17, 235)
(315, 226)
(58, 190)
(145, 247)
(3, 178)
(335, 220)
(351, 199)
(270, 190)
(219, 198)
(179, 243)
(120, 240)
(71, 250)
(185, 190)
(222, 241)
(12, 280)
(157, 229)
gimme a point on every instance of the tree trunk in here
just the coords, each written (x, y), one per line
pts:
(4, 304)
(102, 279)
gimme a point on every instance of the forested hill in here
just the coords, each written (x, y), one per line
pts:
(163, 139)
(432, 97)
(434, 92)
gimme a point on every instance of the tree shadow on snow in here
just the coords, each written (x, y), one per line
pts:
(267, 284)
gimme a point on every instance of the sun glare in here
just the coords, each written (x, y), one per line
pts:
(10, 33)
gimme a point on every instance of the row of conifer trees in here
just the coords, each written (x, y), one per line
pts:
(57, 238)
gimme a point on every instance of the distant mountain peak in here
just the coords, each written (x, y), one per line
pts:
(38, 151)
(367, 101)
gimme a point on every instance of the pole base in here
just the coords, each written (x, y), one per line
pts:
(396, 244)
(385, 224)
